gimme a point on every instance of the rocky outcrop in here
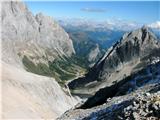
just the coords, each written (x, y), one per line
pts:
(147, 75)
(138, 106)
(31, 40)
(94, 54)
(133, 52)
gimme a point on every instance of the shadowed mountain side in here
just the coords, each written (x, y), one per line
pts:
(149, 74)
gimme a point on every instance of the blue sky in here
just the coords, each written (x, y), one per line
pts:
(141, 12)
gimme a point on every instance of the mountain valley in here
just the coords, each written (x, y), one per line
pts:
(77, 70)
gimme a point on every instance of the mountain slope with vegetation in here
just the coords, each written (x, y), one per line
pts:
(31, 43)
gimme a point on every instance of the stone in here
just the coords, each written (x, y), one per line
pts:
(155, 107)
(136, 116)
(148, 94)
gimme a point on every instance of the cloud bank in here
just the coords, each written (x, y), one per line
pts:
(155, 25)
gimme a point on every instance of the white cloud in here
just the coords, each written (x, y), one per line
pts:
(155, 25)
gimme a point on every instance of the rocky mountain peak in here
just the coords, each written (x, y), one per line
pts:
(145, 27)
(41, 18)
(18, 7)
(141, 35)
(134, 43)
(38, 37)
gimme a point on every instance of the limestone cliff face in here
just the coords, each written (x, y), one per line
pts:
(41, 39)
(52, 36)
(133, 52)
(38, 37)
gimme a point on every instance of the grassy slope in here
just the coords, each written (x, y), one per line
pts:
(61, 70)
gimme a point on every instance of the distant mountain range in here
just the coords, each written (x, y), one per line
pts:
(103, 25)
(111, 24)
(88, 34)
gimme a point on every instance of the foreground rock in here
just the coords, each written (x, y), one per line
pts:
(142, 104)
